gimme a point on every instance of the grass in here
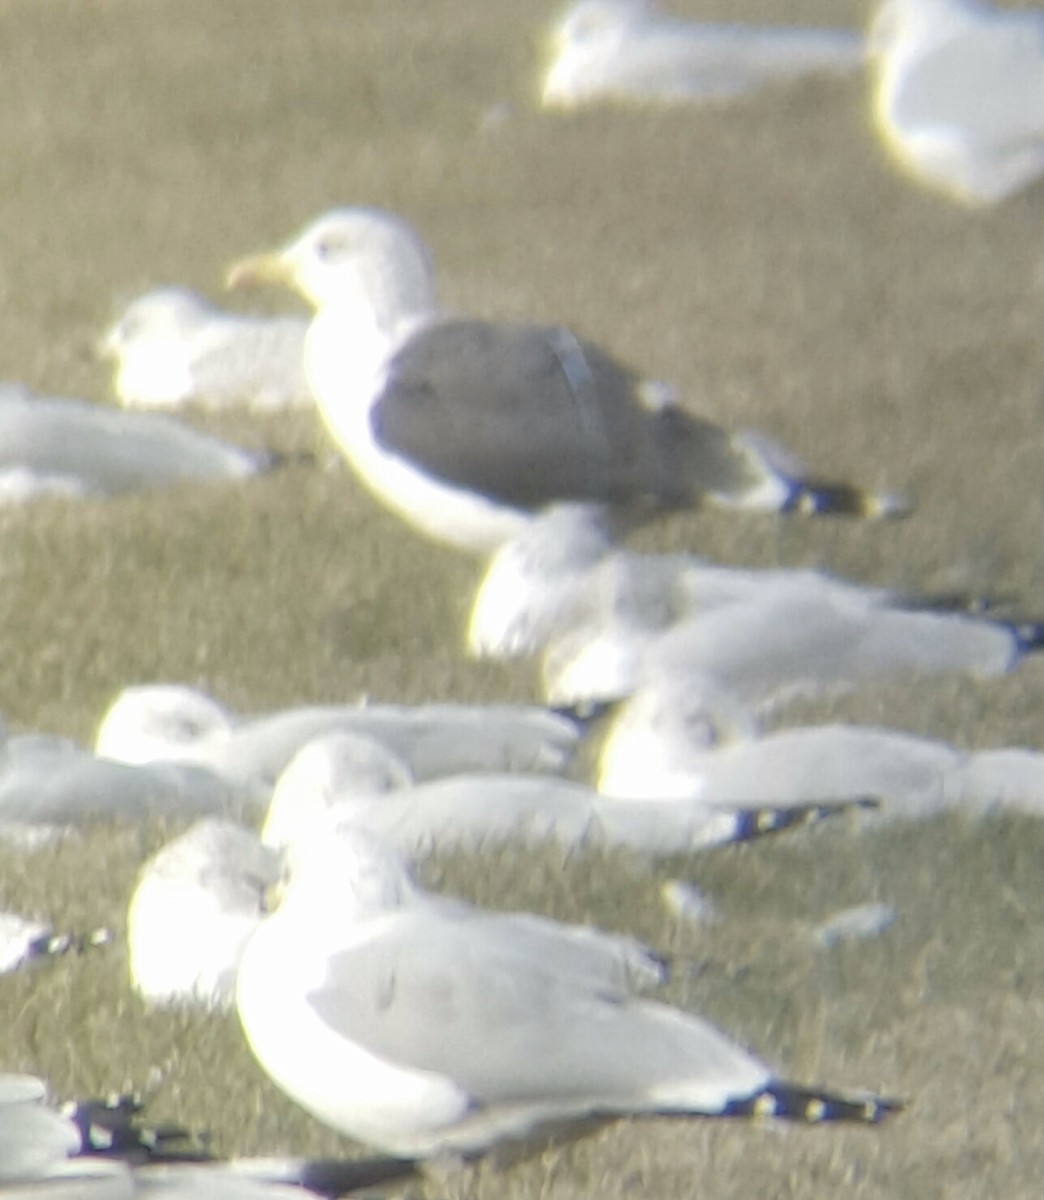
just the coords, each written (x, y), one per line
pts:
(765, 258)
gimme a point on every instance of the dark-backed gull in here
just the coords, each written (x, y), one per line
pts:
(466, 427)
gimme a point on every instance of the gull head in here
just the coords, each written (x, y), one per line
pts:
(580, 42)
(155, 722)
(156, 316)
(885, 28)
(896, 22)
(330, 771)
(345, 872)
(152, 344)
(688, 712)
(355, 258)
(595, 20)
(593, 664)
(661, 738)
(535, 583)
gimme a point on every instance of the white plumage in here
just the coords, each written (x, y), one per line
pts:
(628, 51)
(959, 94)
(425, 1026)
(170, 347)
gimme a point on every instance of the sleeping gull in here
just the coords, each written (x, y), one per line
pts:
(195, 903)
(171, 347)
(77, 1147)
(339, 777)
(51, 444)
(667, 741)
(200, 897)
(466, 427)
(424, 1026)
(49, 785)
(959, 94)
(626, 50)
(792, 640)
(174, 723)
(564, 572)
(101, 1150)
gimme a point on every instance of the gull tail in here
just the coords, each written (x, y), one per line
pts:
(112, 1128)
(55, 945)
(973, 604)
(726, 824)
(1029, 635)
(813, 1106)
(778, 480)
(814, 498)
(758, 822)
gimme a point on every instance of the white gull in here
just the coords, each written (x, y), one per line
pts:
(170, 347)
(339, 778)
(959, 94)
(52, 444)
(629, 51)
(666, 740)
(174, 723)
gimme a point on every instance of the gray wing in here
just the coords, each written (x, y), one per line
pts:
(986, 81)
(108, 451)
(530, 415)
(459, 1000)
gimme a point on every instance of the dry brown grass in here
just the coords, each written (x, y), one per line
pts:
(765, 258)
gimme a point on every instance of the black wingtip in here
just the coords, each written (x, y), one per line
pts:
(1029, 635)
(112, 1128)
(814, 1106)
(814, 498)
(586, 713)
(55, 945)
(756, 822)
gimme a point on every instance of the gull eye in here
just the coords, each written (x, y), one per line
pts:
(329, 247)
(129, 329)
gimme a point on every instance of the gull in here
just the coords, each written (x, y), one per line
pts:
(54, 444)
(792, 640)
(627, 50)
(959, 94)
(195, 903)
(100, 1150)
(171, 347)
(344, 779)
(667, 740)
(81, 1150)
(50, 785)
(173, 723)
(564, 572)
(427, 1027)
(465, 427)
